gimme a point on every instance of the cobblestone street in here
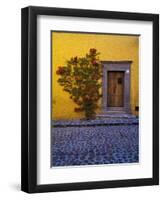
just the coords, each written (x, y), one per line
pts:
(91, 145)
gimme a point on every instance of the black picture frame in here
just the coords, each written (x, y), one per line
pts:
(29, 99)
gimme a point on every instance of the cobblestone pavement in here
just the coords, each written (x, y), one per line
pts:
(91, 145)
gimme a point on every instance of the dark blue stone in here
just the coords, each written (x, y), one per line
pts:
(90, 145)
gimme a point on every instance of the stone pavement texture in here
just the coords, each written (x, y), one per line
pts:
(92, 143)
(129, 119)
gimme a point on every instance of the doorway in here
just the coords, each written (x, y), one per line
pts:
(116, 86)
(115, 95)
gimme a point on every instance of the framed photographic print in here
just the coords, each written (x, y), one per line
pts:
(90, 99)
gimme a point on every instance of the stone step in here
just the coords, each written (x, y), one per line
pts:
(115, 115)
(96, 122)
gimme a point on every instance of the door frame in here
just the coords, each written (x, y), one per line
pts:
(123, 66)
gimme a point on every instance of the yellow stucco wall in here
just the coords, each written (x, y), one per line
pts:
(111, 47)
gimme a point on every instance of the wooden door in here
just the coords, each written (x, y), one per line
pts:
(115, 89)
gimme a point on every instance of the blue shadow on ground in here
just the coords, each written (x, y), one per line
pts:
(94, 144)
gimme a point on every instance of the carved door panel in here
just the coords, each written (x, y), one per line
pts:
(115, 89)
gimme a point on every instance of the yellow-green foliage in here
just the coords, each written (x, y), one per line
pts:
(111, 47)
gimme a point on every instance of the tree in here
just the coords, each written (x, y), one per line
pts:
(81, 78)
